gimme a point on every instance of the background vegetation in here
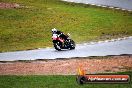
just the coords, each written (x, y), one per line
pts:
(30, 27)
(53, 81)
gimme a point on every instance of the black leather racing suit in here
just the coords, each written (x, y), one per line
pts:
(61, 34)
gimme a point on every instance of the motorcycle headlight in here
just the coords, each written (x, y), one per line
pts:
(54, 36)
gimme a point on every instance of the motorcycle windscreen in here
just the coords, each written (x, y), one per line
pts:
(54, 36)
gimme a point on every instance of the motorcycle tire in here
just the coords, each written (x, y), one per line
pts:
(57, 46)
(72, 44)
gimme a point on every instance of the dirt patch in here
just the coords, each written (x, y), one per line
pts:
(67, 66)
(8, 5)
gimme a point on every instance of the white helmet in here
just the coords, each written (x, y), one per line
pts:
(54, 30)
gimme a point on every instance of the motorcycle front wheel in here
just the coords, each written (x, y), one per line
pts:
(57, 46)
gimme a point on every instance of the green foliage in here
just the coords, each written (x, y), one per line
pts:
(29, 28)
(53, 81)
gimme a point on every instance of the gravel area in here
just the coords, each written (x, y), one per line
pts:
(9, 5)
(67, 66)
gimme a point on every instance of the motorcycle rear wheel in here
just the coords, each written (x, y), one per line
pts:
(72, 44)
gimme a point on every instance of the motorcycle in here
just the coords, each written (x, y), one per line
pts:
(59, 43)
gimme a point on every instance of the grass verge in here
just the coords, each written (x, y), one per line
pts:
(29, 28)
(53, 81)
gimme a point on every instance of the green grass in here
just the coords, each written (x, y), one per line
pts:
(29, 28)
(53, 81)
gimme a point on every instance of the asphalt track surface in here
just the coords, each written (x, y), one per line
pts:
(102, 48)
(124, 4)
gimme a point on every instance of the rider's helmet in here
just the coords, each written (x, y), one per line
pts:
(54, 30)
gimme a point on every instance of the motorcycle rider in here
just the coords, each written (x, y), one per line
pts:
(59, 33)
(58, 42)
